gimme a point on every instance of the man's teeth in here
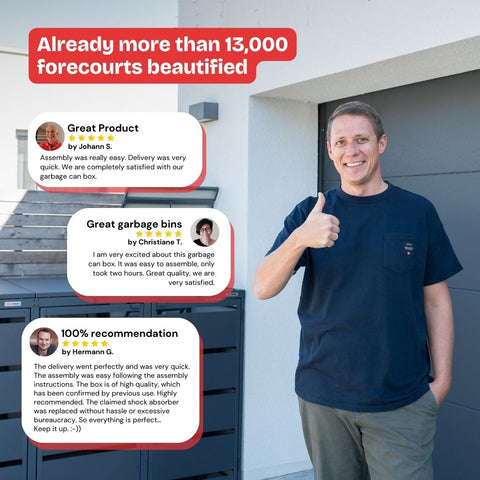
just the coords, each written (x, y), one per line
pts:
(355, 164)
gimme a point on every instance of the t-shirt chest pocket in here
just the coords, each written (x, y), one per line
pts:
(399, 251)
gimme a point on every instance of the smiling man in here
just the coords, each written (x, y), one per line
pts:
(376, 261)
(44, 346)
(52, 142)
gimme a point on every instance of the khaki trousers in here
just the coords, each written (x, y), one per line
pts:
(392, 445)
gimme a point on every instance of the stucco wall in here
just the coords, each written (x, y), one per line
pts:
(282, 170)
(262, 154)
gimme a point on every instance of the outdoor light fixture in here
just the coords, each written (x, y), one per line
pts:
(201, 197)
(204, 112)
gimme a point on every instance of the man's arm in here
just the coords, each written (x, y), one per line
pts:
(439, 318)
(318, 231)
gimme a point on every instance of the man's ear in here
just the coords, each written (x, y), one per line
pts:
(329, 150)
(382, 144)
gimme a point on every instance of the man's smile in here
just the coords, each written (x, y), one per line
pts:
(354, 164)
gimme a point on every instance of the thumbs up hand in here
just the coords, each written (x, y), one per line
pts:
(319, 230)
(320, 203)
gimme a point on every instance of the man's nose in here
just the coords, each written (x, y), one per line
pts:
(352, 148)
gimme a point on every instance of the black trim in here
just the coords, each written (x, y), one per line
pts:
(322, 140)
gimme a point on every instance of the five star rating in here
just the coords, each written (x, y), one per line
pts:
(158, 233)
(90, 142)
(84, 343)
(91, 138)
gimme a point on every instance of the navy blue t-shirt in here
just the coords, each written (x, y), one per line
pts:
(363, 344)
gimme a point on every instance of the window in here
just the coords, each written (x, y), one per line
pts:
(24, 181)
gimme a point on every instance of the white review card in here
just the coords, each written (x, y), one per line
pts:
(105, 151)
(150, 254)
(104, 381)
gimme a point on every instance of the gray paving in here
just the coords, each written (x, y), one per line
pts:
(305, 475)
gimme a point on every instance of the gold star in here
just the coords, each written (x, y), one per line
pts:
(81, 138)
(104, 343)
(65, 343)
(85, 343)
(139, 233)
(110, 137)
(75, 343)
(94, 343)
(101, 137)
(149, 233)
(178, 233)
(91, 138)
(71, 138)
(158, 233)
(168, 234)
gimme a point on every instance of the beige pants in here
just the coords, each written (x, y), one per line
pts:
(392, 445)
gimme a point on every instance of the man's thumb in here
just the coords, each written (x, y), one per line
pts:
(320, 203)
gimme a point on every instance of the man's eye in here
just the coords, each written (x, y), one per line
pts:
(339, 143)
(361, 140)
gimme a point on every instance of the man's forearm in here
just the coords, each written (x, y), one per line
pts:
(318, 231)
(440, 330)
(275, 270)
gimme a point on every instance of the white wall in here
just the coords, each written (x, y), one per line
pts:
(18, 18)
(22, 101)
(416, 40)
(262, 152)
(264, 163)
(227, 154)
(281, 171)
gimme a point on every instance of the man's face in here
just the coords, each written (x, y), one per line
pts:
(44, 341)
(355, 151)
(51, 133)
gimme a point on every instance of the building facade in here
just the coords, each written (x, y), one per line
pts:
(418, 64)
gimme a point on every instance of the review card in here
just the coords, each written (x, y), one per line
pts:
(150, 254)
(116, 152)
(102, 383)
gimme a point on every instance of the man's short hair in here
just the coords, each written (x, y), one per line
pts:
(44, 330)
(357, 108)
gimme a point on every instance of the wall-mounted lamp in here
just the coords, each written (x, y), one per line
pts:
(204, 111)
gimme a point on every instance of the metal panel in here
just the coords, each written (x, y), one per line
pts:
(12, 323)
(457, 200)
(218, 451)
(98, 310)
(14, 472)
(11, 291)
(10, 383)
(217, 454)
(218, 327)
(44, 286)
(433, 132)
(12, 440)
(220, 370)
(430, 129)
(94, 466)
(456, 443)
(466, 356)
(220, 412)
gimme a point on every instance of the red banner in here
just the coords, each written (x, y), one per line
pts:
(155, 55)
